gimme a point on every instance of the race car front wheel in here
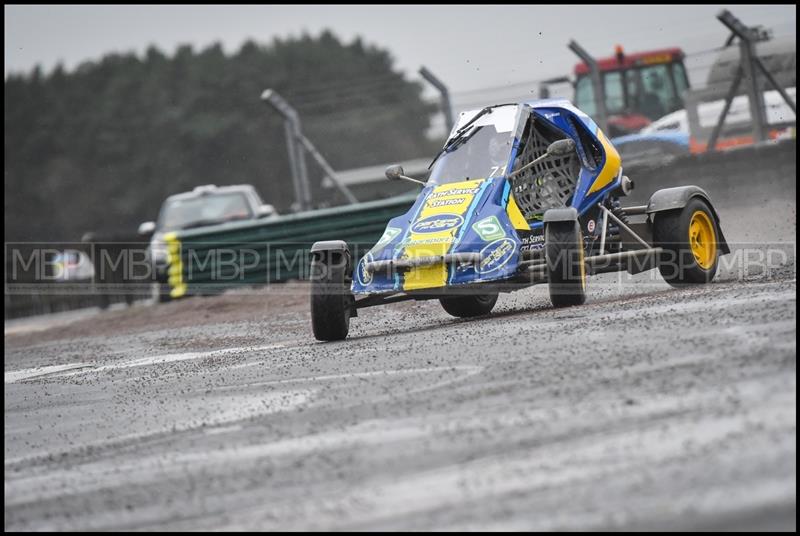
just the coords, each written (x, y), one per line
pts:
(331, 299)
(470, 305)
(566, 270)
(689, 237)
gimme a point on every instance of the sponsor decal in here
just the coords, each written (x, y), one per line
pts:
(496, 255)
(531, 242)
(590, 226)
(437, 223)
(533, 238)
(364, 276)
(438, 240)
(489, 229)
(447, 202)
(454, 191)
(388, 235)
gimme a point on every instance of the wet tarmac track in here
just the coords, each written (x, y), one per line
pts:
(648, 407)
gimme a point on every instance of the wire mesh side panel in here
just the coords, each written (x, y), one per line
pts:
(547, 184)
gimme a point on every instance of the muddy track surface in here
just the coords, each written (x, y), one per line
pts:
(648, 407)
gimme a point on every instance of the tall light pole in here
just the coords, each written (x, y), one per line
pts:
(297, 144)
(297, 159)
(447, 109)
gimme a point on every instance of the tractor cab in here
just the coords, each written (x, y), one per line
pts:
(639, 88)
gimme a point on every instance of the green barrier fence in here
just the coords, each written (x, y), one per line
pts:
(210, 260)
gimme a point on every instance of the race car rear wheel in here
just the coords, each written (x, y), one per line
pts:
(467, 306)
(689, 237)
(566, 270)
(331, 299)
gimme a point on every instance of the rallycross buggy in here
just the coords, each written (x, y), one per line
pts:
(520, 194)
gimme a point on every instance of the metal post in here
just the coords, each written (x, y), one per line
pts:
(438, 84)
(754, 95)
(601, 114)
(747, 39)
(776, 85)
(297, 144)
(328, 169)
(737, 79)
(296, 155)
(302, 170)
(292, 151)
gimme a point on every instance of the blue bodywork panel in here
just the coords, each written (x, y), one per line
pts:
(481, 216)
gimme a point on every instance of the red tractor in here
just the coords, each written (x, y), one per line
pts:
(639, 88)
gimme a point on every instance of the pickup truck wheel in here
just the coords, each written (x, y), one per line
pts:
(331, 299)
(160, 292)
(566, 270)
(468, 306)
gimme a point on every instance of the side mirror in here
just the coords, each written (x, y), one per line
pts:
(394, 173)
(265, 211)
(148, 227)
(561, 147)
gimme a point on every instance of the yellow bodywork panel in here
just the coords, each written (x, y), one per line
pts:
(610, 168)
(452, 202)
(515, 215)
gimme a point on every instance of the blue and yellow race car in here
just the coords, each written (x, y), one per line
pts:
(520, 194)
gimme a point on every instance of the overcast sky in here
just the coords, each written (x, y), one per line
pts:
(469, 47)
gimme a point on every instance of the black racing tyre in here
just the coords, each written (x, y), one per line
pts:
(566, 270)
(331, 299)
(689, 237)
(470, 305)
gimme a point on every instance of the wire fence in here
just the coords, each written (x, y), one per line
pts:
(313, 98)
(376, 85)
(331, 103)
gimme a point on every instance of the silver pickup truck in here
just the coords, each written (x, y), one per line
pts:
(204, 206)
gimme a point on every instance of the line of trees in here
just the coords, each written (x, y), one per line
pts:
(98, 149)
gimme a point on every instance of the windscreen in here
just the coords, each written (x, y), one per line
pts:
(481, 151)
(203, 210)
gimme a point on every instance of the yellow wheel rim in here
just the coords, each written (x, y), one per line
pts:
(703, 239)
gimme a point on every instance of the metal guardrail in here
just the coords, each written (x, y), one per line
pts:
(208, 261)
